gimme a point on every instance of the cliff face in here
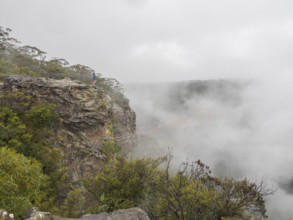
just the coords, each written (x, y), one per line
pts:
(88, 115)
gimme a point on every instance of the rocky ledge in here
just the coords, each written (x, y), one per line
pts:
(87, 116)
(121, 214)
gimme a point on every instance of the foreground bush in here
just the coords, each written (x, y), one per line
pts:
(190, 193)
(20, 181)
(28, 128)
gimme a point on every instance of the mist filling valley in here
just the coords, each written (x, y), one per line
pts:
(240, 128)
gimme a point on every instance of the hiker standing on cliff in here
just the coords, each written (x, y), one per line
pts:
(94, 75)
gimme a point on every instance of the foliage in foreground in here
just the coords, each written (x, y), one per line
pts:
(21, 180)
(192, 193)
(19, 118)
(189, 193)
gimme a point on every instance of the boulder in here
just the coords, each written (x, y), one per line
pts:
(34, 214)
(4, 215)
(121, 214)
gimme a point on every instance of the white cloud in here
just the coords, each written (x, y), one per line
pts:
(169, 53)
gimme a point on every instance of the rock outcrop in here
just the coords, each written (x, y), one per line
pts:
(34, 214)
(121, 214)
(88, 115)
(4, 215)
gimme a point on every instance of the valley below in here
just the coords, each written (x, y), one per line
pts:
(236, 127)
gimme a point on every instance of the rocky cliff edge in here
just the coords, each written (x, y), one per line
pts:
(88, 116)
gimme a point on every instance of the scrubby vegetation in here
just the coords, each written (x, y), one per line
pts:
(27, 128)
(32, 173)
(191, 192)
(21, 180)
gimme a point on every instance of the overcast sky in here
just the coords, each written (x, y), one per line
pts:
(160, 40)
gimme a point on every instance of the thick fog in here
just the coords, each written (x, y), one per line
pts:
(239, 128)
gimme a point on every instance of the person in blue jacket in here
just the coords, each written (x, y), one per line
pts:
(94, 75)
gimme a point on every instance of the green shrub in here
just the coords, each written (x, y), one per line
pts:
(18, 123)
(190, 193)
(73, 204)
(123, 185)
(20, 181)
(42, 116)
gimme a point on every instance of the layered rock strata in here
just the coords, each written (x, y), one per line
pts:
(88, 116)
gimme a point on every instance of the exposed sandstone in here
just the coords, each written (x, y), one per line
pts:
(34, 214)
(4, 215)
(121, 214)
(88, 116)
